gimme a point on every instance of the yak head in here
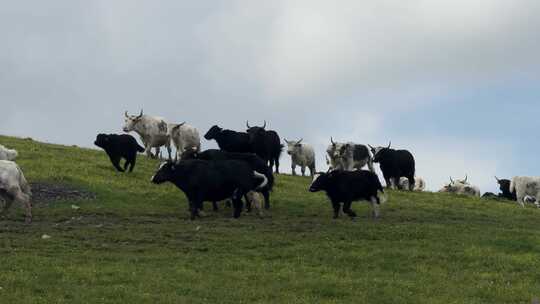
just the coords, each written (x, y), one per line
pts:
(320, 182)
(379, 153)
(504, 185)
(192, 153)
(131, 121)
(102, 140)
(255, 132)
(164, 173)
(293, 147)
(213, 132)
(333, 152)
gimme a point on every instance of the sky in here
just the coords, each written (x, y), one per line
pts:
(455, 82)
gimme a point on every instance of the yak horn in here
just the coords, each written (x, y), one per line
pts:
(247, 124)
(389, 144)
(264, 126)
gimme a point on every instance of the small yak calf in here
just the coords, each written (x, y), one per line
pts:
(118, 147)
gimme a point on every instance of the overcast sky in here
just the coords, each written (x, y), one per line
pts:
(455, 82)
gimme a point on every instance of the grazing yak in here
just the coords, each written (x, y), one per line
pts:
(395, 164)
(7, 154)
(266, 144)
(229, 140)
(348, 156)
(461, 187)
(152, 130)
(302, 155)
(419, 183)
(348, 186)
(211, 181)
(184, 137)
(527, 188)
(119, 146)
(14, 188)
(256, 163)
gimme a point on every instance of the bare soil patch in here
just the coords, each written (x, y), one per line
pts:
(44, 193)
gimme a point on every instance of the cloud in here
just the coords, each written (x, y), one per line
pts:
(354, 70)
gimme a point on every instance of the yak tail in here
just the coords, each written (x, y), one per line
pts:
(25, 187)
(382, 197)
(513, 185)
(260, 176)
(140, 149)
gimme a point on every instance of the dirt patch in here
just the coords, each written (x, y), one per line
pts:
(43, 193)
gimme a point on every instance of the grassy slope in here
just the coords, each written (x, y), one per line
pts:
(135, 244)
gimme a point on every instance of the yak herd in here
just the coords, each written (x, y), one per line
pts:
(243, 167)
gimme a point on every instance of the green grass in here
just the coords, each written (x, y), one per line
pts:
(135, 244)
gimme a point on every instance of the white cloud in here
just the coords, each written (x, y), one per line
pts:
(312, 69)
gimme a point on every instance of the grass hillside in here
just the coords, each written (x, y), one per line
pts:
(134, 243)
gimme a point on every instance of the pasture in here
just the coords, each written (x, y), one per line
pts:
(132, 242)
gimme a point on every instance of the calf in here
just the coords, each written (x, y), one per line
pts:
(211, 181)
(256, 163)
(14, 188)
(526, 186)
(7, 154)
(419, 183)
(348, 186)
(302, 155)
(394, 165)
(184, 137)
(118, 147)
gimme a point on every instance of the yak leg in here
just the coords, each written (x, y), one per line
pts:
(148, 151)
(277, 165)
(303, 169)
(412, 182)
(266, 195)
(336, 206)
(388, 182)
(25, 199)
(237, 202)
(293, 168)
(126, 165)
(521, 201)
(374, 206)
(133, 161)
(194, 208)
(115, 160)
(8, 201)
(169, 150)
(393, 183)
(347, 209)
